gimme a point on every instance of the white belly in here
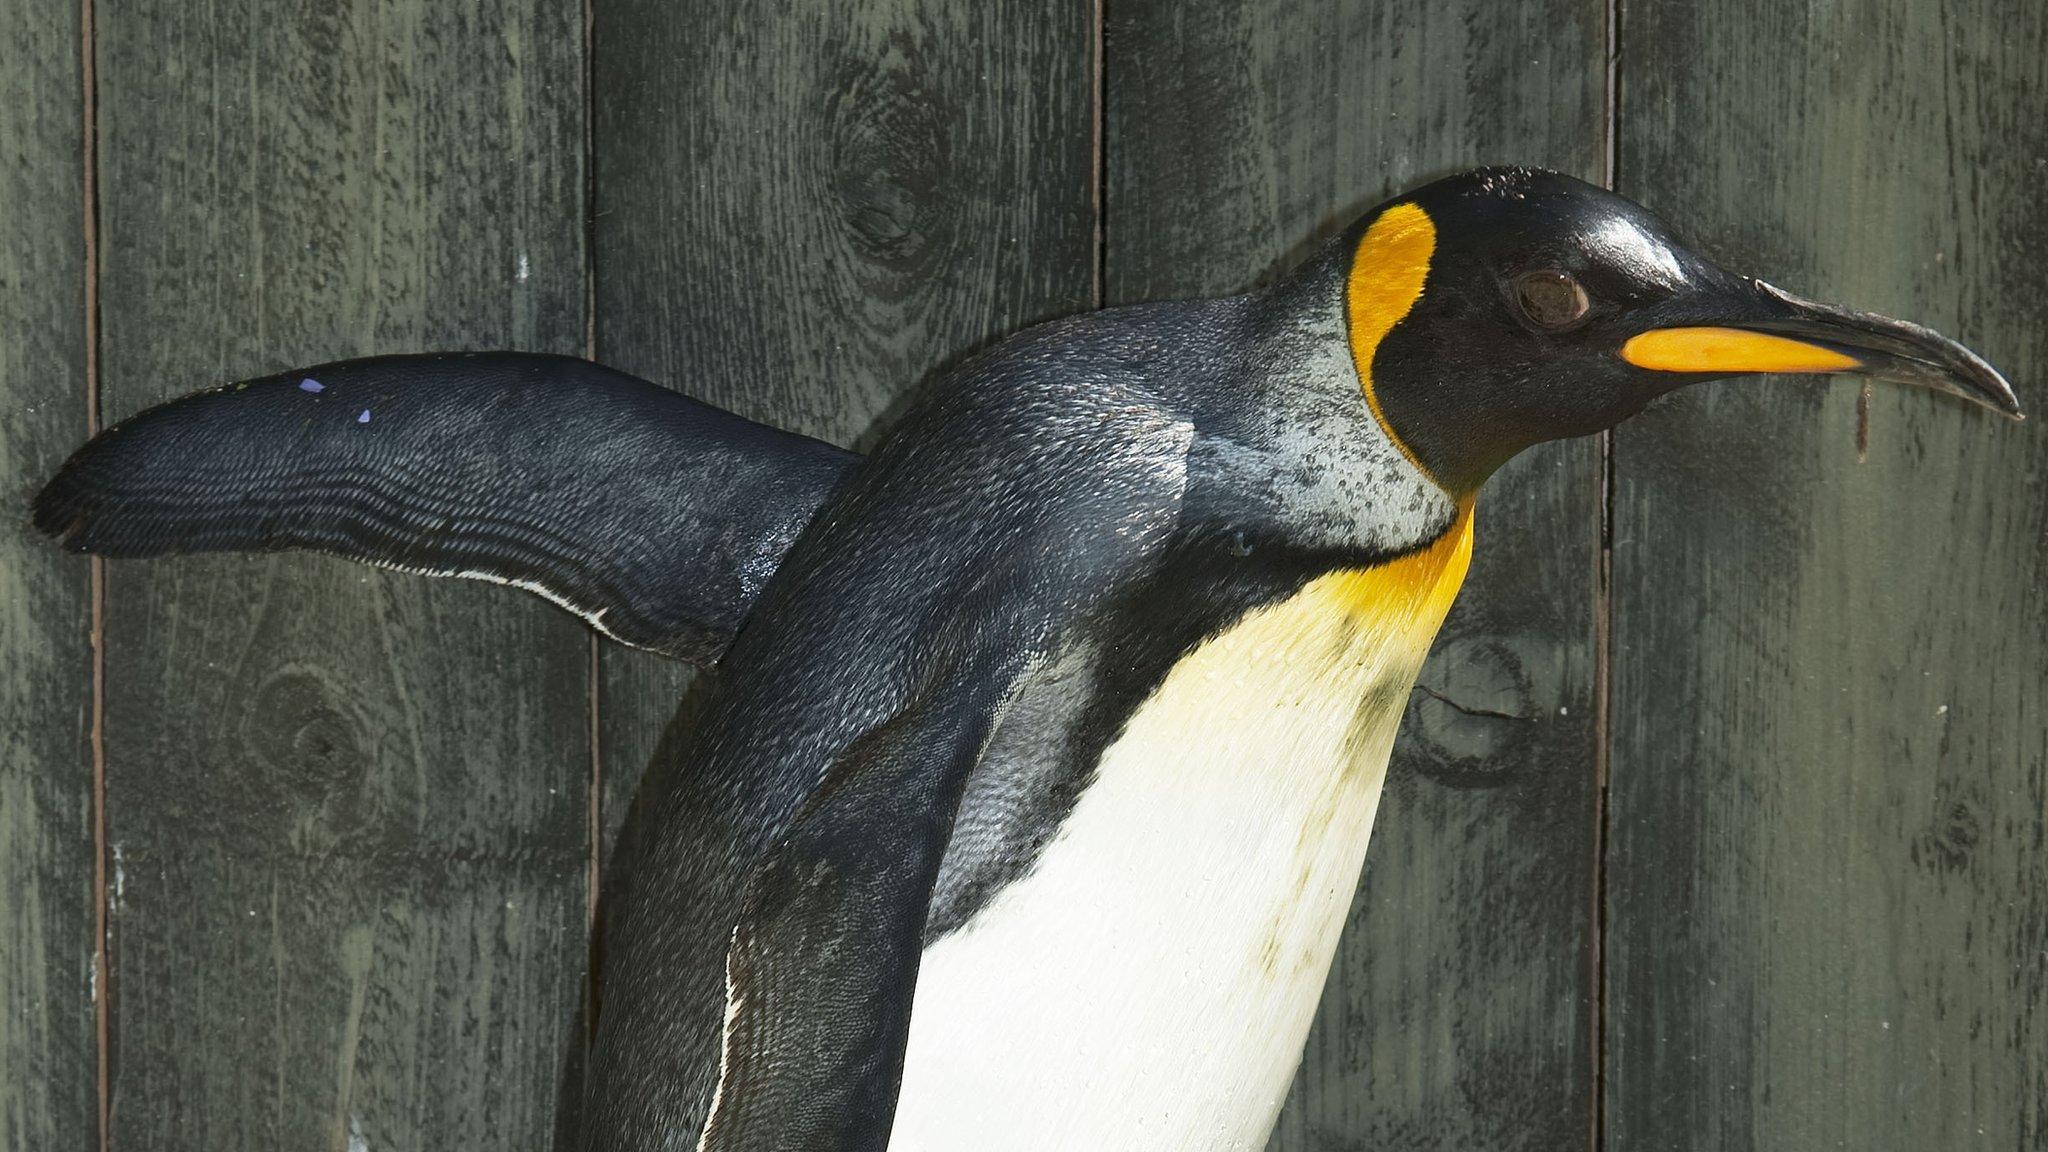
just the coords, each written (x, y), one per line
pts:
(1147, 987)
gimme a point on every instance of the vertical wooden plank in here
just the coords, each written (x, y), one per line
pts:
(1830, 773)
(1459, 1012)
(48, 1053)
(805, 210)
(347, 809)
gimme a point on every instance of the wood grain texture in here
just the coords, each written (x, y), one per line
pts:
(48, 1045)
(1830, 774)
(1458, 1015)
(803, 211)
(347, 809)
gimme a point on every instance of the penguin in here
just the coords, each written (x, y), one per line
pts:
(1030, 797)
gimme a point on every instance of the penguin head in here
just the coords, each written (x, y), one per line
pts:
(1503, 307)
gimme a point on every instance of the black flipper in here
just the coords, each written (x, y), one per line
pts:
(653, 516)
(821, 968)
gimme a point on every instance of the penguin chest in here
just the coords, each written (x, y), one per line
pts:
(1148, 984)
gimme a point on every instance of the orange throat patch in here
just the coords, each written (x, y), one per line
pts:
(1407, 597)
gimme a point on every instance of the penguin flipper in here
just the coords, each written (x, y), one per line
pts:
(821, 967)
(655, 517)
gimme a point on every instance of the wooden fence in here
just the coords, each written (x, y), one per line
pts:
(1723, 823)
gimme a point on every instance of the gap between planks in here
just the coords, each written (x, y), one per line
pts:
(595, 876)
(1098, 173)
(102, 961)
(1603, 634)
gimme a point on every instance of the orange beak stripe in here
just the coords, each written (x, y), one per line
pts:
(1727, 351)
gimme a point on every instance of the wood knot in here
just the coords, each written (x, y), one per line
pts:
(1950, 845)
(1475, 704)
(891, 168)
(304, 735)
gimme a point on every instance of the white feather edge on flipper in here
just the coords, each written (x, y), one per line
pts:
(591, 616)
(734, 1003)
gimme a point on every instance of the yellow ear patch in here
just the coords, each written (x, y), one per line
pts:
(1730, 350)
(1387, 273)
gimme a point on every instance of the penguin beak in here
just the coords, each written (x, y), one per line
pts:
(1775, 331)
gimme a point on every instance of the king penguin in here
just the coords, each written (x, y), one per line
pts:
(1030, 797)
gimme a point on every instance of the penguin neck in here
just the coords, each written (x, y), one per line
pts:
(1287, 450)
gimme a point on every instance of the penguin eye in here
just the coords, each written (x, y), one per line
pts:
(1550, 299)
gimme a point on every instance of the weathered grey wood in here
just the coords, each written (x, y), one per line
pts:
(803, 210)
(1830, 774)
(347, 809)
(1459, 1012)
(48, 1048)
